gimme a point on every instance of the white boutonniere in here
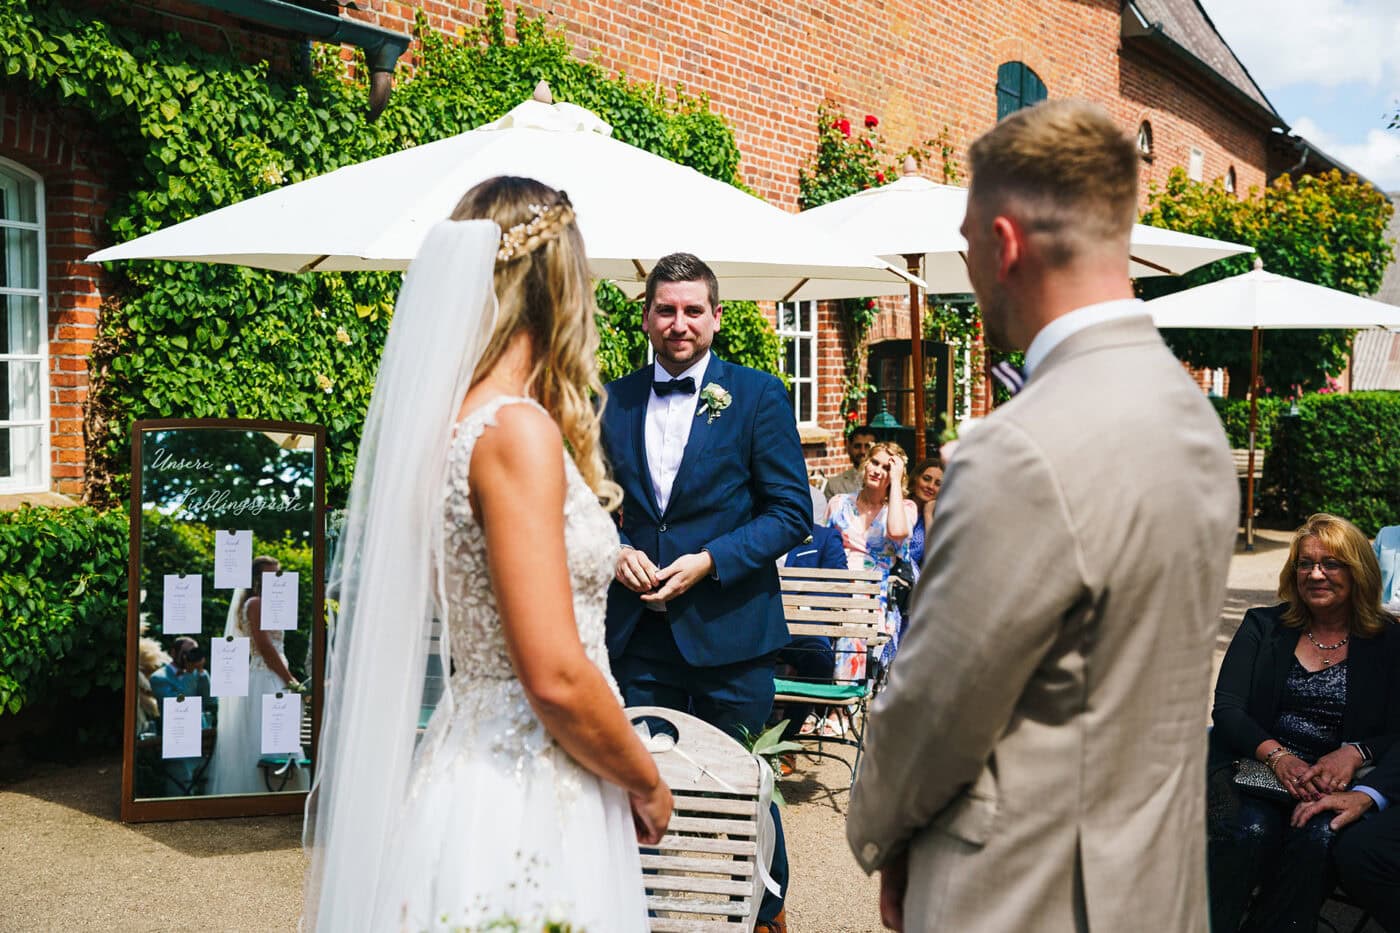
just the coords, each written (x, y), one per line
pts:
(713, 400)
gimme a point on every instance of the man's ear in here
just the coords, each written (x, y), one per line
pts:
(719, 311)
(1011, 244)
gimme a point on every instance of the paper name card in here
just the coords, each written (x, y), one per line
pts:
(279, 601)
(228, 667)
(181, 722)
(281, 723)
(184, 596)
(233, 560)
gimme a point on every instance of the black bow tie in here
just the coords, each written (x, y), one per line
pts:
(685, 384)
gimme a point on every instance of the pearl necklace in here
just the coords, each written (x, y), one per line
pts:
(1322, 647)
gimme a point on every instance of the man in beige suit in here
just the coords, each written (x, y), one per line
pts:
(1037, 761)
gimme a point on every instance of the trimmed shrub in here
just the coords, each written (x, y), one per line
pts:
(1341, 455)
(62, 604)
(1234, 415)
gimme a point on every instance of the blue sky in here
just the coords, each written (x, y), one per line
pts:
(1331, 68)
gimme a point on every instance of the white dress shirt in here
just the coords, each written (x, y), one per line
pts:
(668, 426)
(1054, 333)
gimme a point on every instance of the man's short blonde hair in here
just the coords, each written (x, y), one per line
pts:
(1066, 171)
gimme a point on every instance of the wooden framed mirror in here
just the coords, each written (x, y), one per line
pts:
(225, 618)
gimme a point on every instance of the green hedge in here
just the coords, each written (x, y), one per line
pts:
(63, 598)
(1341, 455)
(62, 602)
(1234, 415)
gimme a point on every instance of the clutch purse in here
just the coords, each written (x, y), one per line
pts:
(1254, 777)
(1257, 779)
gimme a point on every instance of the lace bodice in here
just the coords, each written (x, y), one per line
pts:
(486, 694)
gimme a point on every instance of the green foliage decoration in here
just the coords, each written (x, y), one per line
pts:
(62, 602)
(1234, 416)
(193, 131)
(849, 160)
(1340, 456)
(1326, 229)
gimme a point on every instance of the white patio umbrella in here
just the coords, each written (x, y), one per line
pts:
(1259, 300)
(633, 208)
(916, 222)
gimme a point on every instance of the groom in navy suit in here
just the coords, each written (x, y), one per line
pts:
(715, 491)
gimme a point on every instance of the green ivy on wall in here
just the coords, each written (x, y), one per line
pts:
(849, 160)
(194, 131)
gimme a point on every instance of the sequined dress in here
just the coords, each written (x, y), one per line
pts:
(502, 826)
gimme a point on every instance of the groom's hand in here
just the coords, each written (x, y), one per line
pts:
(636, 571)
(683, 573)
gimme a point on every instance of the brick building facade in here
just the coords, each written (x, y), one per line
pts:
(1157, 65)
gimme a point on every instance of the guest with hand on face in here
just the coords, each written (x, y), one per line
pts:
(875, 524)
(1387, 548)
(928, 479)
(1309, 687)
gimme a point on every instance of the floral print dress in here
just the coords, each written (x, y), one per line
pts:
(870, 551)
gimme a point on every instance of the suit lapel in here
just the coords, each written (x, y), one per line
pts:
(1362, 658)
(702, 429)
(638, 429)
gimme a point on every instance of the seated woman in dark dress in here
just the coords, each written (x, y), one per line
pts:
(1309, 688)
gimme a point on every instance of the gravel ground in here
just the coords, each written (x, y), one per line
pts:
(66, 863)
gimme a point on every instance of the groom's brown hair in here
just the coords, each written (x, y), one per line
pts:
(683, 267)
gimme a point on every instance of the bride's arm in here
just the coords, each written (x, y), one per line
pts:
(263, 643)
(517, 481)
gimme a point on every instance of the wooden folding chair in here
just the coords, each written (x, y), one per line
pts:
(704, 874)
(835, 604)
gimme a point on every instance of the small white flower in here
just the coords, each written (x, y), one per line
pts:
(713, 399)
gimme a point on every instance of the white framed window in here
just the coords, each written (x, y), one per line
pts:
(797, 325)
(1230, 180)
(1196, 167)
(24, 345)
(1144, 140)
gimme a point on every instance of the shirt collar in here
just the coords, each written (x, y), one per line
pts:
(696, 371)
(1055, 333)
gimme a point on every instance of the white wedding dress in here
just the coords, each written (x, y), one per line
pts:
(234, 768)
(501, 825)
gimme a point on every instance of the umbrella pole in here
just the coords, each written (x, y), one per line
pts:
(916, 339)
(1254, 345)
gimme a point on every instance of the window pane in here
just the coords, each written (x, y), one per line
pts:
(804, 315)
(17, 199)
(19, 258)
(19, 456)
(787, 318)
(806, 409)
(19, 324)
(19, 391)
(790, 355)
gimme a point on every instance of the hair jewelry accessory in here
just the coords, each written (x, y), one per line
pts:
(513, 241)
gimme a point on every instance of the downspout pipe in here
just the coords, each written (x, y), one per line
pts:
(382, 47)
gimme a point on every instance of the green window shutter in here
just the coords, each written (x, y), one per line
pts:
(1017, 87)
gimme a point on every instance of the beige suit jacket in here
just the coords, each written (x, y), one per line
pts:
(1040, 747)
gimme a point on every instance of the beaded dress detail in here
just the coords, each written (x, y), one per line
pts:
(502, 825)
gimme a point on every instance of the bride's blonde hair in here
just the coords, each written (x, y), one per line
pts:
(544, 289)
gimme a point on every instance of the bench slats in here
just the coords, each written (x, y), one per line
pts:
(686, 906)
(668, 882)
(713, 866)
(674, 843)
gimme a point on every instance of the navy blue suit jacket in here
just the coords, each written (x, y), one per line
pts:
(825, 550)
(741, 494)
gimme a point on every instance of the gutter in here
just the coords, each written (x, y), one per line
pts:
(382, 47)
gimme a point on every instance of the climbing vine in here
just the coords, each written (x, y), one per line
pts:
(849, 160)
(192, 131)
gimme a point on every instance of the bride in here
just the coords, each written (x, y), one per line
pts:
(480, 496)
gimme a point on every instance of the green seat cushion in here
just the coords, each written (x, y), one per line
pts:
(277, 761)
(819, 691)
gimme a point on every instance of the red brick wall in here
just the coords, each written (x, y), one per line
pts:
(765, 67)
(57, 147)
(917, 66)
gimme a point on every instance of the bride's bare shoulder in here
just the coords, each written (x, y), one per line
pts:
(523, 444)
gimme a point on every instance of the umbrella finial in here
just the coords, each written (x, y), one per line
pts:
(1258, 264)
(542, 92)
(911, 165)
